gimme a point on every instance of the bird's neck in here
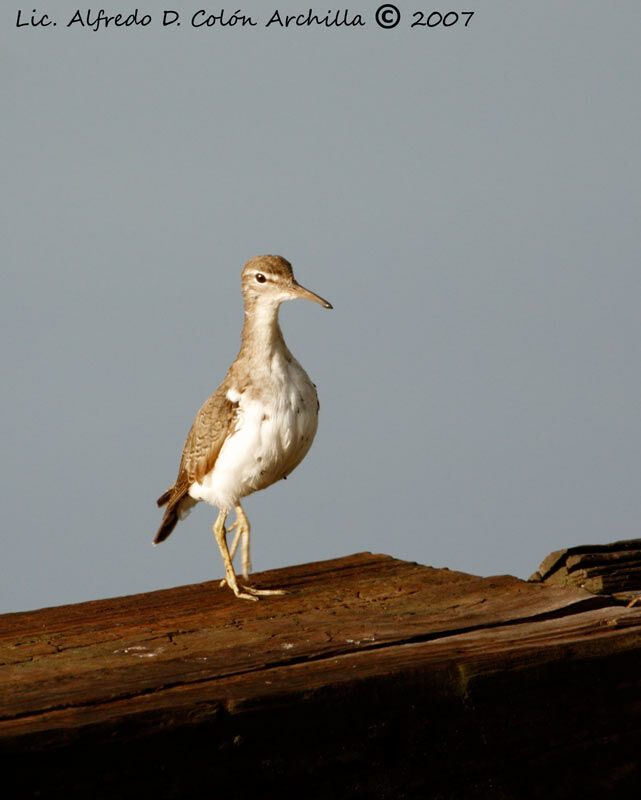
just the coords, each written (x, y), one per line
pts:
(262, 336)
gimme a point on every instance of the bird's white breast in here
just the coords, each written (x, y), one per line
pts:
(276, 423)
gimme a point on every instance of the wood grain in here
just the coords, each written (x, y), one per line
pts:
(372, 677)
(598, 568)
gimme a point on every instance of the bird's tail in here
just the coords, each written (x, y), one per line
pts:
(168, 523)
(172, 499)
(164, 498)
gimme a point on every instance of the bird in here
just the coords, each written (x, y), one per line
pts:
(255, 428)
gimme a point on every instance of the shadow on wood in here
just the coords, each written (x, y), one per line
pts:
(372, 678)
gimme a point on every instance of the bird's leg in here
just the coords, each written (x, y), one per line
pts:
(243, 529)
(242, 533)
(236, 540)
(230, 576)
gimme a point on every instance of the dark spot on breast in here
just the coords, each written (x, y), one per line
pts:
(297, 410)
(265, 416)
(259, 459)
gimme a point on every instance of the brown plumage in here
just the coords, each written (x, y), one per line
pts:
(257, 426)
(205, 439)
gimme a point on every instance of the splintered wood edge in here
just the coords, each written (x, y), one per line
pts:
(559, 558)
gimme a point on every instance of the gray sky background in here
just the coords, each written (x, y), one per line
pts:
(468, 199)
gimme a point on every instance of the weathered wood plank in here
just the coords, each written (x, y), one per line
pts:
(600, 569)
(372, 678)
(101, 650)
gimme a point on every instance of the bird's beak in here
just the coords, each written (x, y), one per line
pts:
(301, 291)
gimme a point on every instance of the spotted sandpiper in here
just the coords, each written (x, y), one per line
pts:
(255, 428)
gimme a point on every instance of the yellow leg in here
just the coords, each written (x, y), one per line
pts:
(234, 545)
(243, 529)
(230, 576)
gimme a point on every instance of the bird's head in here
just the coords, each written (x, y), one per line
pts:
(270, 280)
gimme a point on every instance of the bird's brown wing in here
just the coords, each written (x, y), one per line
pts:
(213, 422)
(215, 419)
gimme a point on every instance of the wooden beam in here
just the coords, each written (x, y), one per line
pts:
(372, 677)
(613, 568)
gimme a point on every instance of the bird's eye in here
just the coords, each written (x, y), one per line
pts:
(260, 277)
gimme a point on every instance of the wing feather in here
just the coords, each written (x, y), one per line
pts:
(214, 420)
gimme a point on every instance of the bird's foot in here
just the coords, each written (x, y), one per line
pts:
(245, 596)
(251, 592)
(236, 590)
(263, 592)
